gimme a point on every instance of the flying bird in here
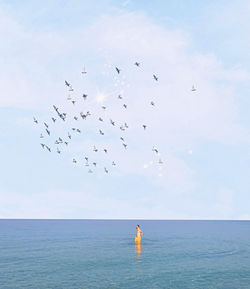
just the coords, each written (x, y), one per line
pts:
(101, 132)
(118, 70)
(94, 164)
(119, 96)
(106, 171)
(125, 106)
(43, 145)
(54, 120)
(83, 71)
(144, 126)
(125, 146)
(106, 151)
(73, 101)
(95, 149)
(58, 151)
(155, 149)
(74, 161)
(48, 132)
(193, 88)
(155, 77)
(137, 64)
(152, 103)
(122, 138)
(41, 135)
(90, 171)
(46, 124)
(84, 96)
(78, 130)
(35, 120)
(55, 108)
(104, 107)
(112, 122)
(113, 163)
(48, 148)
(66, 82)
(100, 119)
(75, 118)
(69, 135)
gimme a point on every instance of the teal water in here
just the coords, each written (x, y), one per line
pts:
(88, 254)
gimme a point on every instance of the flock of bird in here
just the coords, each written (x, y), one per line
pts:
(59, 115)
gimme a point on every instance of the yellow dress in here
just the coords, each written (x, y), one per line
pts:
(137, 239)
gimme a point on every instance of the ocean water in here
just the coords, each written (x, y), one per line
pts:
(101, 254)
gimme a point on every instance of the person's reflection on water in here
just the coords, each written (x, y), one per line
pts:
(138, 250)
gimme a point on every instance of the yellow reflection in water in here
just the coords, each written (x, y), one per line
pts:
(138, 250)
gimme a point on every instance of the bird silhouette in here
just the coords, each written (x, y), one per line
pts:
(54, 120)
(84, 96)
(155, 77)
(155, 149)
(112, 122)
(101, 132)
(144, 126)
(106, 151)
(137, 64)
(193, 88)
(74, 161)
(100, 119)
(43, 145)
(48, 132)
(152, 103)
(125, 106)
(105, 170)
(119, 96)
(35, 120)
(118, 70)
(41, 135)
(95, 149)
(125, 145)
(83, 71)
(48, 148)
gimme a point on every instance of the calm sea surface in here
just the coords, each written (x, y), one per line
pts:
(102, 254)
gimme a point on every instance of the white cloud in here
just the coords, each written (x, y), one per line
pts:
(38, 62)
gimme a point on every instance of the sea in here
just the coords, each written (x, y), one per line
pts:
(91, 254)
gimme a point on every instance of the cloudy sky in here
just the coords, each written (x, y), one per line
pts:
(203, 136)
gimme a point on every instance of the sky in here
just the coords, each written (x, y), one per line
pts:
(202, 136)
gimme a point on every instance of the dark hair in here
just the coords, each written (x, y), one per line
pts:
(138, 225)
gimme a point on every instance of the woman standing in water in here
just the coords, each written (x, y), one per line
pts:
(138, 234)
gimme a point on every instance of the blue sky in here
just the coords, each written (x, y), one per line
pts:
(203, 137)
